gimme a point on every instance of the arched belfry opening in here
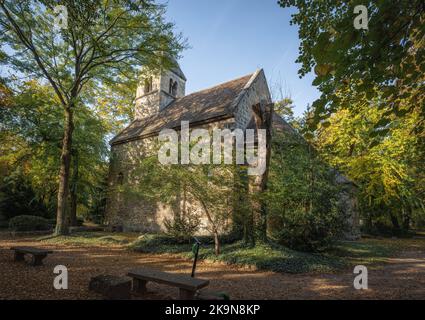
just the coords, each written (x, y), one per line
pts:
(158, 91)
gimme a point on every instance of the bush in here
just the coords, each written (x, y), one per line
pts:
(302, 197)
(17, 198)
(378, 228)
(4, 224)
(183, 227)
(29, 223)
(310, 231)
(80, 222)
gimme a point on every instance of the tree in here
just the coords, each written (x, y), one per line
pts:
(5, 94)
(385, 61)
(103, 43)
(302, 196)
(31, 144)
(176, 185)
(284, 108)
(388, 172)
(283, 103)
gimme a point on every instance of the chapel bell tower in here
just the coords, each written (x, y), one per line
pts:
(156, 92)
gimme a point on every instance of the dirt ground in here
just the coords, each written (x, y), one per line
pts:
(402, 278)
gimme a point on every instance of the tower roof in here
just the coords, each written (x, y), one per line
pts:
(177, 70)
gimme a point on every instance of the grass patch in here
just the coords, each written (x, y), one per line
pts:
(262, 256)
(274, 257)
(91, 239)
(269, 256)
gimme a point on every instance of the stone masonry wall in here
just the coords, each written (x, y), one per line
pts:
(255, 92)
(125, 209)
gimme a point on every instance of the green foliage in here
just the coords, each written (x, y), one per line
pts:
(183, 227)
(284, 108)
(275, 257)
(310, 231)
(389, 173)
(165, 243)
(302, 196)
(18, 198)
(160, 243)
(91, 239)
(387, 58)
(104, 42)
(29, 223)
(31, 142)
(97, 198)
(370, 116)
(102, 47)
(209, 186)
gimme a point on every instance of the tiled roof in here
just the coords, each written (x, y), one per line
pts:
(215, 102)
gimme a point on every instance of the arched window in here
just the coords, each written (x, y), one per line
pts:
(148, 85)
(174, 89)
(120, 178)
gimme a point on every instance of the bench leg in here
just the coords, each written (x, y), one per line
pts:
(186, 294)
(37, 260)
(139, 286)
(19, 256)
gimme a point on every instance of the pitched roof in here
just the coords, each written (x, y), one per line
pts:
(215, 102)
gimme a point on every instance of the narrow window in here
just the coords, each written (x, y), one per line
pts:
(170, 88)
(120, 179)
(174, 89)
(148, 85)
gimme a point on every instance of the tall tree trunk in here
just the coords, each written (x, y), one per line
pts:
(217, 245)
(65, 161)
(74, 186)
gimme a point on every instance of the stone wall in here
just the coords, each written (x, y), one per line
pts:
(255, 91)
(126, 209)
(151, 103)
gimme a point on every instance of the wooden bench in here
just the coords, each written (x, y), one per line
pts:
(37, 254)
(186, 284)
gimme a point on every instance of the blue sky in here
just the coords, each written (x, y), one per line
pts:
(232, 38)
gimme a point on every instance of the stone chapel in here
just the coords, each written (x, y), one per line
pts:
(161, 102)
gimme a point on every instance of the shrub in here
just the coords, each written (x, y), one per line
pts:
(182, 227)
(80, 222)
(157, 243)
(17, 198)
(29, 223)
(4, 224)
(302, 197)
(310, 231)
